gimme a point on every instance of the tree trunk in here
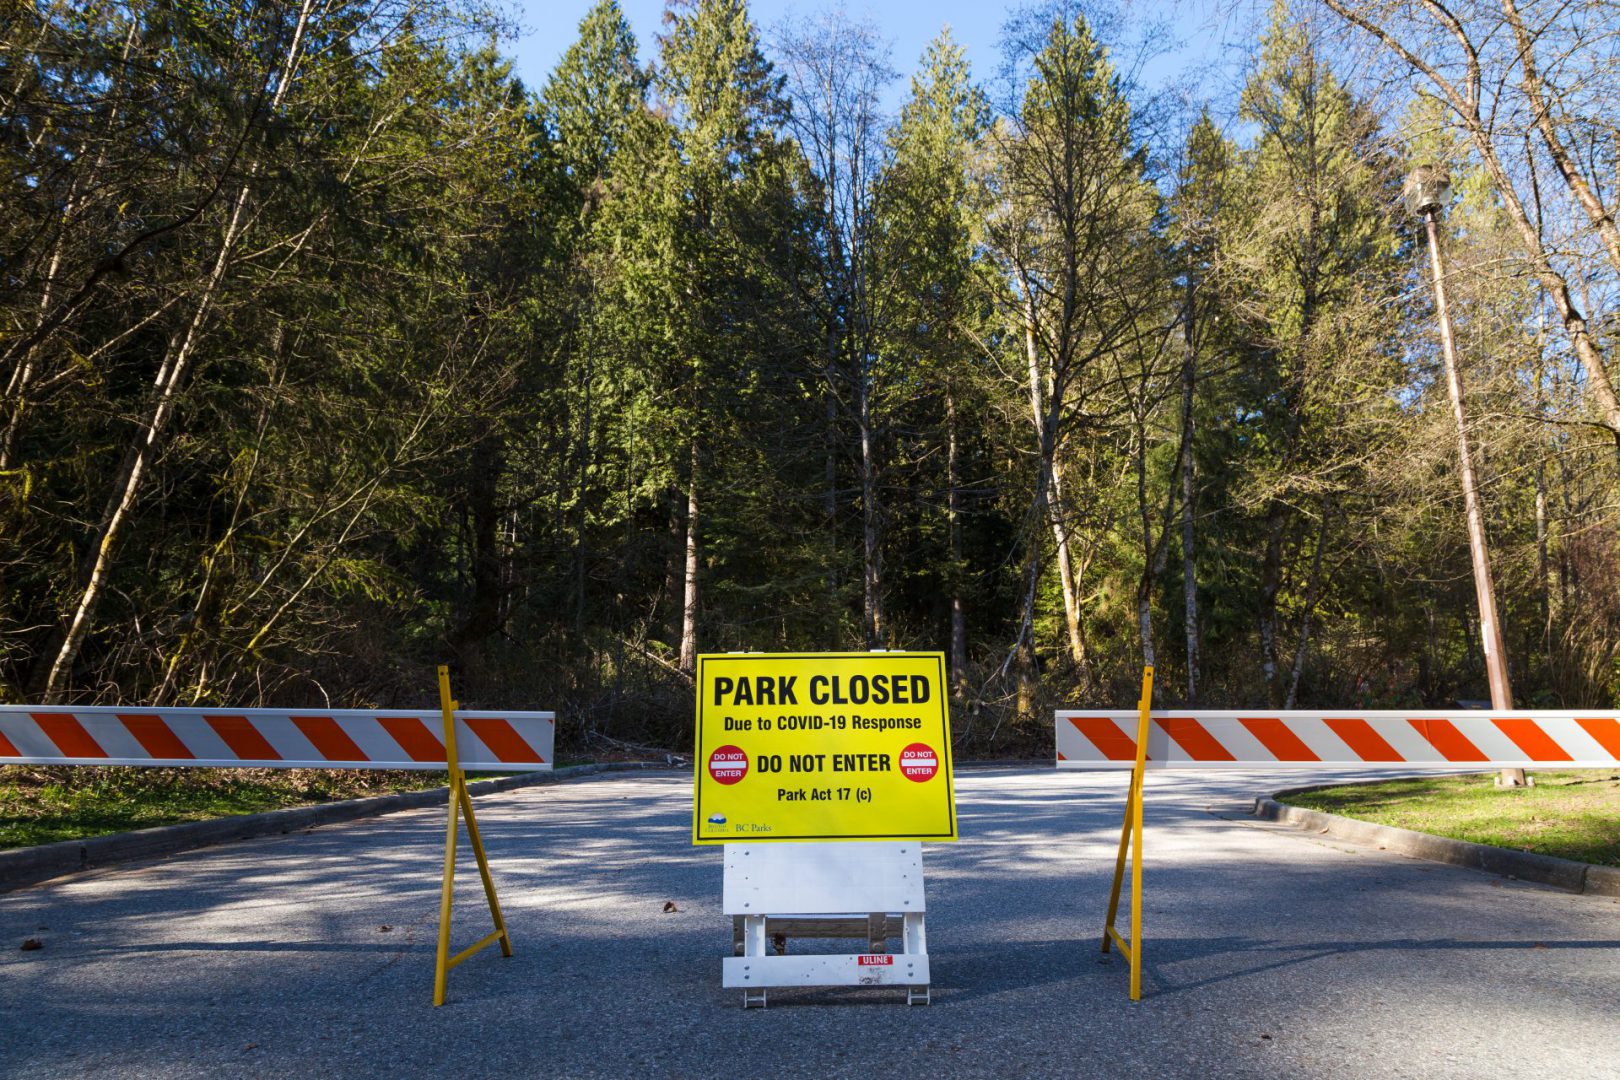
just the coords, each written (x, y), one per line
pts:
(871, 546)
(953, 512)
(1557, 288)
(674, 586)
(1270, 585)
(1155, 552)
(581, 480)
(1144, 585)
(1054, 495)
(1541, 110)
(1024, 647)
(829, 497)
(1544, 579)
(1067, 578)
(689, 605)
(1278, 512)
(483, 617)
(1189, 491)
(1311, 588)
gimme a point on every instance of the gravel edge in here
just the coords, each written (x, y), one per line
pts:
(1567, 874)
(20, 867)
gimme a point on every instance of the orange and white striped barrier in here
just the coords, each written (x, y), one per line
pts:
(450, 738)
(306, 739)
(1310, 739)
(1151, 738)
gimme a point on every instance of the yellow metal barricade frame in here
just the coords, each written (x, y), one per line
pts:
(1130, 844)
(462, 802)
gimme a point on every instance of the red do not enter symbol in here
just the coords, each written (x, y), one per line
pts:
(918, 762)
(728, 764)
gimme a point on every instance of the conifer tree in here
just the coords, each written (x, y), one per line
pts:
(1316, 265)
(930, 222)
(730, 189)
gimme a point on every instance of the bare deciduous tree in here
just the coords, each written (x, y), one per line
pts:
(1486, 63)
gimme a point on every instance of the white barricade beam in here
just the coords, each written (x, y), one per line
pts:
(273, 738)
(1208, 739)
(824, 969)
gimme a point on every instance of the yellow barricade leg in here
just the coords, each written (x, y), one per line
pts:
(1130, 846)
(1119, 861)
(460, 803)
(483, 871)
(446, 891)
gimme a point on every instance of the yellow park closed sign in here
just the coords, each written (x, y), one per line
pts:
(822, 746)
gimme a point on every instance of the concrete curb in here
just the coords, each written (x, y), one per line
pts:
(1567, 874)
(31, 865)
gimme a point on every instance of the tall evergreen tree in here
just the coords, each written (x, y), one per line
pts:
(732, 188)
(929, 211)
(1316, 254)
(1199, 209)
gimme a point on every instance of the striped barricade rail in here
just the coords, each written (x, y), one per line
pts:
(274, 738)
(1102, 739)
(449, 738)
(1304, 739)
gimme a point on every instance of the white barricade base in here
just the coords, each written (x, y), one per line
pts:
(840, 889)
(826, 969)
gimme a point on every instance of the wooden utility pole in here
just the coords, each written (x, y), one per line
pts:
(1426, 190)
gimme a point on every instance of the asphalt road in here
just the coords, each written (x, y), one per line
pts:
(1269, 953)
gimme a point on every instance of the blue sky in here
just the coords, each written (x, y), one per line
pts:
(1194, 34)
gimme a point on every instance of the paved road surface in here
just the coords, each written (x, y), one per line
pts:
(1270, 953)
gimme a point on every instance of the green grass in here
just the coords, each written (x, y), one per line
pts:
(1573, 814)
(41, 804)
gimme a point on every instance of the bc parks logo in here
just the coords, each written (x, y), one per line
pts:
(717, 819)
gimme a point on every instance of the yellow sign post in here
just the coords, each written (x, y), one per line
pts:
(459, 799)
(823, 746)
(1130, 844)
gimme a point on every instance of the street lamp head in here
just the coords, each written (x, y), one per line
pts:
(1427, 189)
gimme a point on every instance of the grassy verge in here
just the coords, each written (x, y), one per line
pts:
(40, 804)
(1573, 814)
